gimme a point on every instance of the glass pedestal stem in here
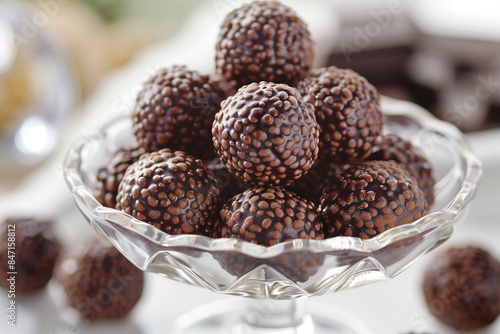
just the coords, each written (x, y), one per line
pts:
(273, 316)
(266, 316)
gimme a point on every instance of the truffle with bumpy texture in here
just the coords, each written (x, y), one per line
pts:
(267, 216)
(98, 281)
(172, 191)
(29, 248)
(175, 109)
(111, 174)
(402, 151)
(264, 41)
(370, 198)
(266, 135)
(347, 110)
(229, 184)
(462, 288)
(312, 184)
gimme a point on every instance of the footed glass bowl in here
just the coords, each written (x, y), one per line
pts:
(276, 278)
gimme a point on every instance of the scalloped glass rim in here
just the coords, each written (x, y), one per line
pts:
(469, 166)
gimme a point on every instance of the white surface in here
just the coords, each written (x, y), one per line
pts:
(477, 20)
(394, 306)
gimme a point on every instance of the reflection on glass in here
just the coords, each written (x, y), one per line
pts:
(38, 87)
(35, 137)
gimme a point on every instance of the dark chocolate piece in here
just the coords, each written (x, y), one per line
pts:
(228, 87)
(264, 41)
(28, 254)
(99, 282)
(172, 191)
(111, 174)
(462, 288)
(370, 198)
(229, 184)
(312, 184)
(266, 135)
(295, 266)
(401, 151)
(347, 110)
(267, 216)
(175, 110)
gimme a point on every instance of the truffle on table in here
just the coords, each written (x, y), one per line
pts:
(175, 109)
(98, 281)
(266, 135)
(347, 110)
(370, 198)
(34, 252)
(172, 191)
(264, 41)
(462, 288)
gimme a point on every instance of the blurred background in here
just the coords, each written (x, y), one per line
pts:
(55, 54)
(65, 65)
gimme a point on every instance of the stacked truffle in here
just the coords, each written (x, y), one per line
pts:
(164, 180)
(277, 127)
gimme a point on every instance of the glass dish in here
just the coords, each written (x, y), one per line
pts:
(276, 278)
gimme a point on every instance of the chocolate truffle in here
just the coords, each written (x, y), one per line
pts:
(267, 216)
(410, 158)
(347, 110)
(228, 87)
(266, 135)
(170, 190)
(264, 41)
(370, 198)
(28, 253)
(312, 184)
(229, 184)
(111, 173)
(99, 282)
(462, 288)
(295, 266)
(175, 109)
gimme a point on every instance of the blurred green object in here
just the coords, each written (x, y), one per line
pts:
(110, 10)
(165, 16)
(156, 10)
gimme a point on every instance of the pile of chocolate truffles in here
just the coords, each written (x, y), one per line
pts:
(266, 148)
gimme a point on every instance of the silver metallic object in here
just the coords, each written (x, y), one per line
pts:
(44, 78)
